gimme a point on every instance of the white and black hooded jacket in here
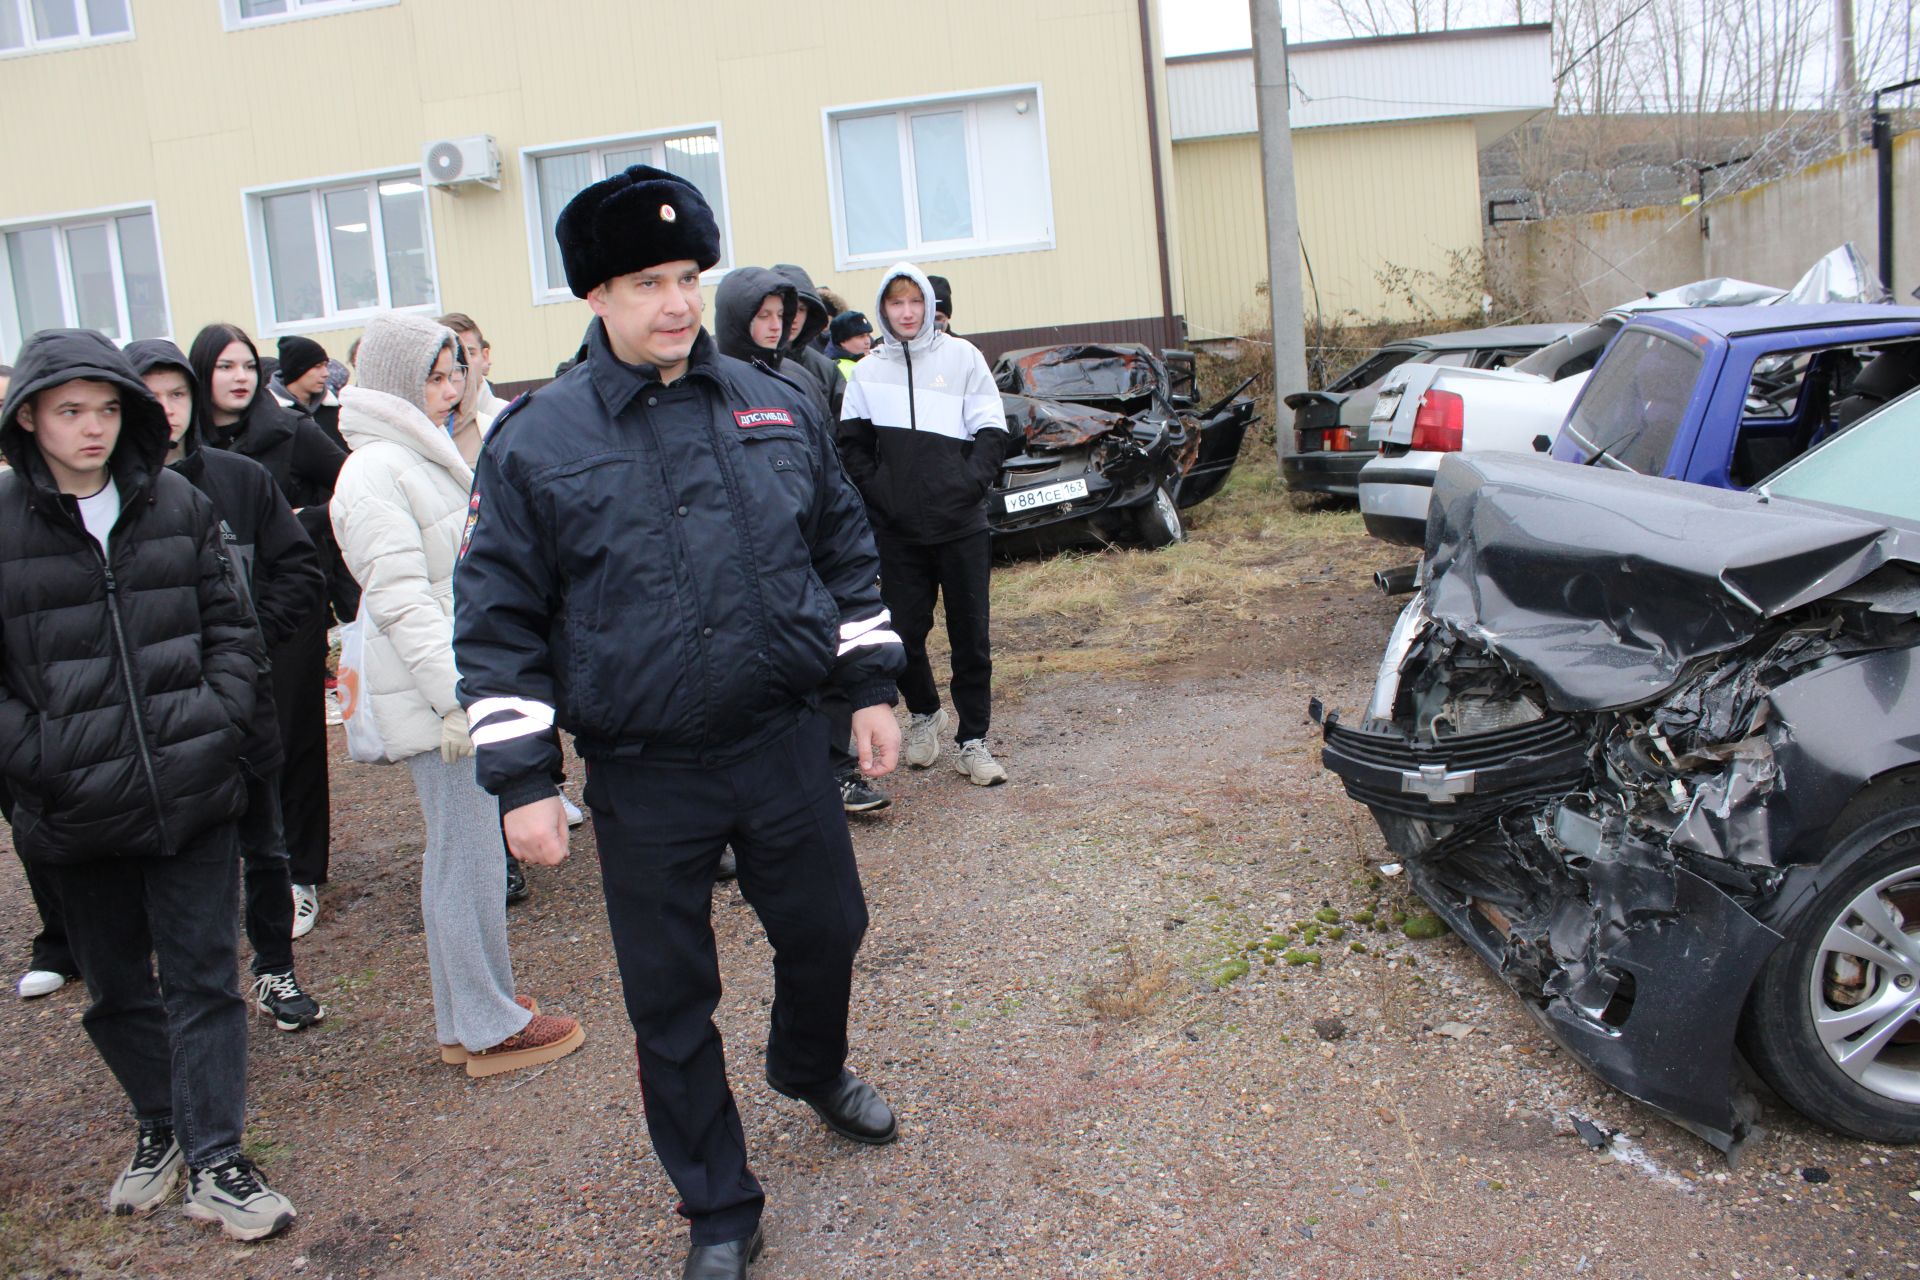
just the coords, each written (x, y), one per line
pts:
(922, 432)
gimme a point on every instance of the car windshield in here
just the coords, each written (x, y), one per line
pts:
(1578, 352)
(1372, 369)
(1868, 467)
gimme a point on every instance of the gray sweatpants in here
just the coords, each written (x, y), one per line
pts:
(463, 899)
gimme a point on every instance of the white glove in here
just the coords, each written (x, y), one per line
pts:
(454, 739)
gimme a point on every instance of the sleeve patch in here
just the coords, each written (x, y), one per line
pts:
(473, 518)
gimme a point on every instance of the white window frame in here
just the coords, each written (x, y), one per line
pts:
(11, 336)
(85, 40)
(904, 109)
(547, 292)
(298, 12)
(260, 266)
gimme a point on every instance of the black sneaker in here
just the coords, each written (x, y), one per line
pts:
(858, 796)
(279, 996)
(517, 890)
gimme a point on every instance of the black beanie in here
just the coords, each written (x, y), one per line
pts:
(632, 221)
(847, 324)
(297, 356)
(942, 296)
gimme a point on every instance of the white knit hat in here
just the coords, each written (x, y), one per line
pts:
(397, 353)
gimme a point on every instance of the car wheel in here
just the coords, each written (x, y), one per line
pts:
(1160, 520)
(1832, 1024)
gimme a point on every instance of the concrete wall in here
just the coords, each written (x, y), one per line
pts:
(186, 115)
(1575, 267)
(1357, 216)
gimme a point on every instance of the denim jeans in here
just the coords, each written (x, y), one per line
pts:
(264, 872)
(178, 1047)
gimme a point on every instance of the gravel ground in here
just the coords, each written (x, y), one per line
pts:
(1100, 1069)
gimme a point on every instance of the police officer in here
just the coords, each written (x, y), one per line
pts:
(664, 558)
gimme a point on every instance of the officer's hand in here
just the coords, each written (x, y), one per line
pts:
(876, 735)
(537, 832)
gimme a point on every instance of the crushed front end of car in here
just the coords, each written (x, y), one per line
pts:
(1609, 736)
(1107, 445)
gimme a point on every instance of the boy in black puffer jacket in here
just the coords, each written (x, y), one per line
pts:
(127, 668)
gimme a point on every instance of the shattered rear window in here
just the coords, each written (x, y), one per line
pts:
(1868, 467)
(1637, 398)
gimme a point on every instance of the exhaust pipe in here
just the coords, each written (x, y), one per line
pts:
(1397, 581)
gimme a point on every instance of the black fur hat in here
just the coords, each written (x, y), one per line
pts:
(632, 221)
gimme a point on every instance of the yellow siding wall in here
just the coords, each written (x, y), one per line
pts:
(188, 114)
(1369, 197)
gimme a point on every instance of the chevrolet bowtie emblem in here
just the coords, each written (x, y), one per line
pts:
(1436, 784)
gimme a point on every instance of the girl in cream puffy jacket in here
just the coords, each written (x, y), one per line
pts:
(399, 509)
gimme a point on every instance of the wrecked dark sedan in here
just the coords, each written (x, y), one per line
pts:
(1108, 446)
(1653, 751)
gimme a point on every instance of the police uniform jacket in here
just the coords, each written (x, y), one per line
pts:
(662, 570)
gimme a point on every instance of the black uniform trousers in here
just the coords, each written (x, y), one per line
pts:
(660, 828)
(911, 574)
(837, 709)
(300, 703)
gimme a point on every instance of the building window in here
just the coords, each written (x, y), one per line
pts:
(28, 26)
(555, 175)
(336, 252)
(260, 13)
(949, 178)
(101, 271)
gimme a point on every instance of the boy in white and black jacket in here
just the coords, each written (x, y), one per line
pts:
(922, 434)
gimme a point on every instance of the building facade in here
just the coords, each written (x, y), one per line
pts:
(177, 162)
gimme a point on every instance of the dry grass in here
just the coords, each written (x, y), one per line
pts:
(1132, 990)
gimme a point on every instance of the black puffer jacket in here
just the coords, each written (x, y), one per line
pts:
(670, 569)
(124, 684)
(289, 444)
(272, 555)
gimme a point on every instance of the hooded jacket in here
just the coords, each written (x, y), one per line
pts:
(806, 351)
(126, 679)
(662, 568)
(274, 561)
(736, 302)
(922, 431)
(398, 512)
(325, 412)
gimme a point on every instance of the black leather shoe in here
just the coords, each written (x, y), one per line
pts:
(516, 882)
(727, 1261)
(850, 1107)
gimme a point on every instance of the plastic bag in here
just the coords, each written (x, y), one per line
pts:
(364, 742)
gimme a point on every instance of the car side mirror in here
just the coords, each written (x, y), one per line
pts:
(1543, 444)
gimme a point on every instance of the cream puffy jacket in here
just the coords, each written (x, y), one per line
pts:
(399, 510)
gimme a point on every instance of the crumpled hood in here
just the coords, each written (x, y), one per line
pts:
(817, 318)
(54, 356)
(1604, 586)
(367, 416)
(929, 336)
(735, 303)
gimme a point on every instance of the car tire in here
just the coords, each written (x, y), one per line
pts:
(1159, 520)
(1809, 978)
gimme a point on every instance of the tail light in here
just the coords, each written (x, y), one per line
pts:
(1340, 439)
(1439, 421)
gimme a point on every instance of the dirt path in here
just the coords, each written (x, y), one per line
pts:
(1096, 1075)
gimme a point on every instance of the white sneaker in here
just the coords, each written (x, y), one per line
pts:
(150, 1176)
(977, 764)
(306, 909)
(574, 816)
(922, 746)
(35, 983)
(234, 1195)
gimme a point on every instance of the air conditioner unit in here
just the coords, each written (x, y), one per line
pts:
(455, 162)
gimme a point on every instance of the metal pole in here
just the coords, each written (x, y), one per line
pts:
(1883, 162)
(1283, 218)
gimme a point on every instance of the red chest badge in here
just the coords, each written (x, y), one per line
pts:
(750, 418)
